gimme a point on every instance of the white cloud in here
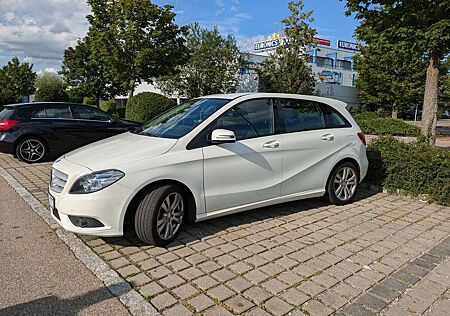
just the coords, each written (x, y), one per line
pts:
(40, 30)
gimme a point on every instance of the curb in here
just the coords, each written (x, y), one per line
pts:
(398, 192)
(120, 288)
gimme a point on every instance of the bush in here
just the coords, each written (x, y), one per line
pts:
(108, 106)
(414, 168)
(146, 105)
(50, 88)
(90, 101)
(119, 113)
(373, 123)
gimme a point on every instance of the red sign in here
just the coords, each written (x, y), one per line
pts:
(321, 41)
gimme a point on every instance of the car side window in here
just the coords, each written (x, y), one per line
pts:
(301, 115)
(58, 112)
(249, 119)
(90, 113)
(333, 118)
(40, 114)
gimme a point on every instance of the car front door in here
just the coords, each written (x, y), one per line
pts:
(309, 146)
(93, 123)
(248, 170)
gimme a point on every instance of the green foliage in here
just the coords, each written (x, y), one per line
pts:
(414, 168)
(146, 105)
(212, 66)
(286, 70)
(108, 105)
(16, 80)
(376, 124)
(119, 113)
(134, 40)
(50, 88)
(90, 101)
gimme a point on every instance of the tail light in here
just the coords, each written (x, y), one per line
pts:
(7, 124)
(362, 138)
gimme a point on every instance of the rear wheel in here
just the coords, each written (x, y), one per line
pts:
(160, 214)
(343, 184)
(31, 150)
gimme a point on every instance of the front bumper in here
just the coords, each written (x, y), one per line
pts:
(107, 206)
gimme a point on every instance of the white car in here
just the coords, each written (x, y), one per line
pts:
(209, 157)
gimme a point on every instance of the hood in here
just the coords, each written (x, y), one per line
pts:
(115, 151)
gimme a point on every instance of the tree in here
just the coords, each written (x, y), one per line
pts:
(286, 70)
(390, 76)
(423, 24)
(134, 40)
(85, 75)
(212, 68)
(50, 88)
(16, 80)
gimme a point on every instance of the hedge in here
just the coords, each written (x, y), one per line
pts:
(146, 105)
(414, 168)
(374, 123)
(108, 105)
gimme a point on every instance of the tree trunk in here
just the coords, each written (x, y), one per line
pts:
(131, 92)
(430, 100)
(394, 111)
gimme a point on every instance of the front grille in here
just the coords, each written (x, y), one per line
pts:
(58, 181)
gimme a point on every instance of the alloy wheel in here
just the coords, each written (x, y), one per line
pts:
(345, 183)
(32, 150)
(170, 215)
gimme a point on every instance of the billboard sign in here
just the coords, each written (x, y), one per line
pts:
(348, 45)
(278, 40)
(321, 41)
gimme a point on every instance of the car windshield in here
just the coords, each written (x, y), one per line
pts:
(182, 119)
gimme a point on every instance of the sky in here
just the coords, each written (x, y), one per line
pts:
(38, 31)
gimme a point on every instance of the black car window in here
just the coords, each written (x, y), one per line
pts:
(90, 113)
(58, 112)
(249, 119)
(6, 113)
(333, 118)
(301, 115)
(40, 114)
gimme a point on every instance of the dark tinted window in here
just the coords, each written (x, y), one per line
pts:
(334, 118)
(89, 113)
(301, 115)
(40, 114)
(6, 113)
(58, 112)
(249, 119)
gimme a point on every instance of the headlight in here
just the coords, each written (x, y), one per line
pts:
(96, 181)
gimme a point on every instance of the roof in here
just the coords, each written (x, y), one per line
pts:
(37, 103)
(229, 96)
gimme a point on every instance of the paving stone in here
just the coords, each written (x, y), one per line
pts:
(139, 256)
(257, 311)
(394, 285)
(178, 265)
(185, 291)
(148, 264)
(209, 266)
(384, 292)
(276, 306)
(316, 308)
(240, 267)
(216, 311)
(310, 288)
(119, 262)
(191, 273)
(220, 293)
(171, 281)
(256, 276)
(290, 278)
(138, 279)
(223, 275)
(205, 282)
(200, 302)
(332, 299)
(151, 289)
(159, 272)
(409, 279)
(372, 302)
(177, 310)
(239, 284)
(356, 310)
(257, 294)
(128, 270)
(294, 297)
(163, 300)
(239, 304)
(274, 286)
(111, 255)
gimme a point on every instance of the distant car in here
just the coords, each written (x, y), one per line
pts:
(209, 157)
(445, 114)
(32, 131)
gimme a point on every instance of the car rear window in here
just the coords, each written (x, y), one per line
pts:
(58, 112)
(6, 113)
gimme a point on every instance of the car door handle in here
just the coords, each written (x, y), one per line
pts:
(328, 137)
(272, 144)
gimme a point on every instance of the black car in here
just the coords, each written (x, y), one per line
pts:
(33, 131)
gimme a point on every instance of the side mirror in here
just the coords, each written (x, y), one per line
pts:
(222, 136)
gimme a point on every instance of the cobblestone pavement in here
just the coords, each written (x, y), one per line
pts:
(382, 254)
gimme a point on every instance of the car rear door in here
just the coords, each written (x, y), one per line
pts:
(309, 146)
(248, 170)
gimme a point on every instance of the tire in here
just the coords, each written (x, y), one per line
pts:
(31, 150)
(152, 211)
(342, 184)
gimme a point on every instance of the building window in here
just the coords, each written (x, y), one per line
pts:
(344, 64)
(324, 61)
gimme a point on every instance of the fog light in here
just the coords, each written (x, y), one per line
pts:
(85, 222)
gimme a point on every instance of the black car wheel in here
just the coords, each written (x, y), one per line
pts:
(31, 150)
(342, 184)
(160, 214)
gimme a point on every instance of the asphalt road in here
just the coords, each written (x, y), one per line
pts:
(39, 275)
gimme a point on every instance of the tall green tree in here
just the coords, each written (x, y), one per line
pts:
(286, 70)
(16, 80)
(85, 75)
(135, 40)
(50, 87)
(212, 68)
(423, 24)
(390, 75)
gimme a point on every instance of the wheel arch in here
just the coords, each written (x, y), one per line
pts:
(346, 159)
(132, 205)
(29, 135)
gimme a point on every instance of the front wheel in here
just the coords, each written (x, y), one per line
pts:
(160, 214)
(31, 150)
(343, 184)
